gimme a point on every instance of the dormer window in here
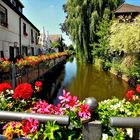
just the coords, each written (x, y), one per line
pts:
(20, 9)
(13, 2)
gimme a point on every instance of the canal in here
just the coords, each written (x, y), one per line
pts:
(83, 80)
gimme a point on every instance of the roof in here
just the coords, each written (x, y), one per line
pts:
(128, 8)
(55, 38)
(21, 3)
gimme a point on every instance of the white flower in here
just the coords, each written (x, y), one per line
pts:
(129, 132)
(104, 136)
(121, 109)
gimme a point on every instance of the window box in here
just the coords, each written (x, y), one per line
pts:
(5, 24)
(26, 34)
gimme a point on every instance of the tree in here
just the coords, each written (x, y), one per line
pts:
(101, 49)
(125, 36)
(81, 20)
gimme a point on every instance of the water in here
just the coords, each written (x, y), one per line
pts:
(85, 80)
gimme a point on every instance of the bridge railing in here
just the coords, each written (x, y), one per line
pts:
(127, 122)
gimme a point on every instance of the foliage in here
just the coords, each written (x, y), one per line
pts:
(101, 49)
(119, 108)
(32, 61)
(71, 47)
(81, 20)
(135, 70)
(24, 99)
(123, 39)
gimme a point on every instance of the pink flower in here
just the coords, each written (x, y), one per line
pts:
(29, 126)
(84, 111)
(72, 102)
(64, 98)
(130, 94)
(138, 88)
(40, 107)
(58, 110)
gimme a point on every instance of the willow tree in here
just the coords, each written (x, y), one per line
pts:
(81, 20)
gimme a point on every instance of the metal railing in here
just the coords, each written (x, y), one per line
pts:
(127, 122)
(17, 76)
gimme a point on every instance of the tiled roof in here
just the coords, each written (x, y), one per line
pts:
(128, 8)
(55, 38)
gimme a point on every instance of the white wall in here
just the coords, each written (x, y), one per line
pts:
(11, 34)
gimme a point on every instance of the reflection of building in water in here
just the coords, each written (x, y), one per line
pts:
(52, 84)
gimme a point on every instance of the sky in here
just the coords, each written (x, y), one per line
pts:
(49, 14)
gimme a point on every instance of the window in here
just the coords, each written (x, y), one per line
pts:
(13, 2)
(36, 38)
(3, 16)
(19, 9)
(24, 30)
(32, 37)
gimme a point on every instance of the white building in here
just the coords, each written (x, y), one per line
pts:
(44, 41)
(18, 36)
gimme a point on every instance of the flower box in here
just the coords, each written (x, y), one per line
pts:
(5, 24)
(26, 34)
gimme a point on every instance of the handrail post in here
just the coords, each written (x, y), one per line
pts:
(13, 75)
(92, 128)
(135, 135)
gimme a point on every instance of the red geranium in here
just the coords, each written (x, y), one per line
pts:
(38, 84)
(29, 126)
(5, 86)
(138, 88)
(130, 94)
(23, 91)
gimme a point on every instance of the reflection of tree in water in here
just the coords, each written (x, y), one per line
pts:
(70, 59)
(92, 82)
(52, 83)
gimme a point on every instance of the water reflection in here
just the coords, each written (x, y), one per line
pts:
(85, 80)
(82, 80)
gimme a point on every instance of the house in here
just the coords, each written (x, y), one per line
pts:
(44, 41)
(57, 42)
(127, 12)
(18, 36)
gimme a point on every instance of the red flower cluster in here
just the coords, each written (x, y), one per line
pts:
(130, 94)
(23, 91)
(138, 88)
(4, 87)
(38, 84)
(29, 126)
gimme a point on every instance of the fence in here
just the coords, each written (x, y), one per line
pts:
(127, 122)
(16, 76)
